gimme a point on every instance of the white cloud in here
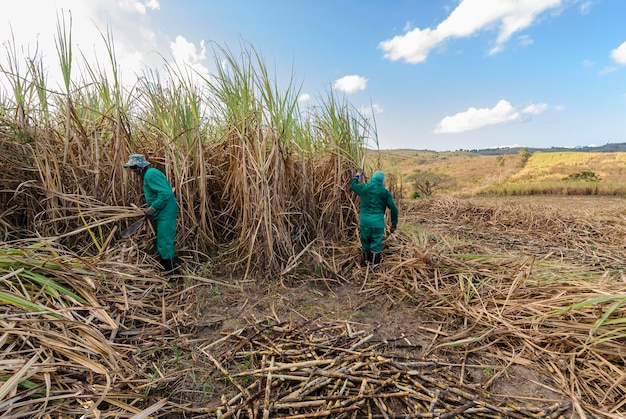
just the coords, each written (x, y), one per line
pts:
(503, 146)
(474, 118)
(134, 41)
(304, 97)
(369, 109)
(585, 7)
(139, 6)
(413, 47)
(153, 4)
(619, 54)
(608, 70)
(469, 17)
(187, 56)
(525, 40)
(350, 84)
(588, 63)
(535, 109)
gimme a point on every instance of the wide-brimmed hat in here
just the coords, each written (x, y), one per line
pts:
(137, 160)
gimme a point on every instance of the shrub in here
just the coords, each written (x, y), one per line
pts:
(584, 176)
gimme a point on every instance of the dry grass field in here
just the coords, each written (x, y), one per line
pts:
(544, 172)
(515, 301)
(482, 307)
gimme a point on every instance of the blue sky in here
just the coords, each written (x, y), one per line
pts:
(434, 74)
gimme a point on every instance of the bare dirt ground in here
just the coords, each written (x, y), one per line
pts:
(403, 324)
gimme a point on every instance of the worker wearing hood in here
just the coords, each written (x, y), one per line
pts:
(375, 199)
(162, 208)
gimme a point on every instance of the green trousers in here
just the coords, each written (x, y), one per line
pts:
(372, 239)
(165, 232)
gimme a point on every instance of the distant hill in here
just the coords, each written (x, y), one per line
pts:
(474, 171)
(607, 148)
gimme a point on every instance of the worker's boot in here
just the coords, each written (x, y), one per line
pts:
(367, 257)
(168, 267)
(376, 257)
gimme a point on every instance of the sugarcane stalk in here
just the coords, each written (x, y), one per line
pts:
(456, 411)
(415, 394)
(290, 366)
(558, 413)
(332, 390)
(313, 384)
(358, 398)
(362, 341)
(298, 405)
(387, 395)
(508, 412)
(341, 374)
(353, 375)
(328, 413)
(226, 374)
(238, 396)
(381, 407)
(301, 378)
(263, 364)
(266, 404)
(431, 408)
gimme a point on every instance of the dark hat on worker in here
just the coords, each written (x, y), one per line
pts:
(137, 160)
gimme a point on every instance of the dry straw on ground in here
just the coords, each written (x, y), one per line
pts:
(107, 336)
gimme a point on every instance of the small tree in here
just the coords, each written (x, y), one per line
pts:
(584, 176)
(500, 162)
(425, 183)
(524, 155)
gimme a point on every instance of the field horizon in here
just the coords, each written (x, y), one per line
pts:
(539, 173)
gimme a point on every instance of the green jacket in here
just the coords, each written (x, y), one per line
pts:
(159, 195)
(375, 199)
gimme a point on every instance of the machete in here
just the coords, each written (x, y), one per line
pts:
(132, 228)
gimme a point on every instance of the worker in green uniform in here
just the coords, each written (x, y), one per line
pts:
(375, 199)
(162, 208)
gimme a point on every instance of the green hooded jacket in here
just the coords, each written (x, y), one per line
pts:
(159, 195)
(375, 199)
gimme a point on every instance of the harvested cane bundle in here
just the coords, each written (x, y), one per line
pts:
(320, 369)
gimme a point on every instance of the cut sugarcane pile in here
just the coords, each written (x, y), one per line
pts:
(288, 370)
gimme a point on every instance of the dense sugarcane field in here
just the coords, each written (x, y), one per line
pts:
(483, 307)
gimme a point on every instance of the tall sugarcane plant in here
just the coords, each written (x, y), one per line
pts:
(286, 183)
(258, 178)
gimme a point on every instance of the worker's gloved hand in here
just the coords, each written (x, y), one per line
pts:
(149, 212)
(393, 228)
(359, 174)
